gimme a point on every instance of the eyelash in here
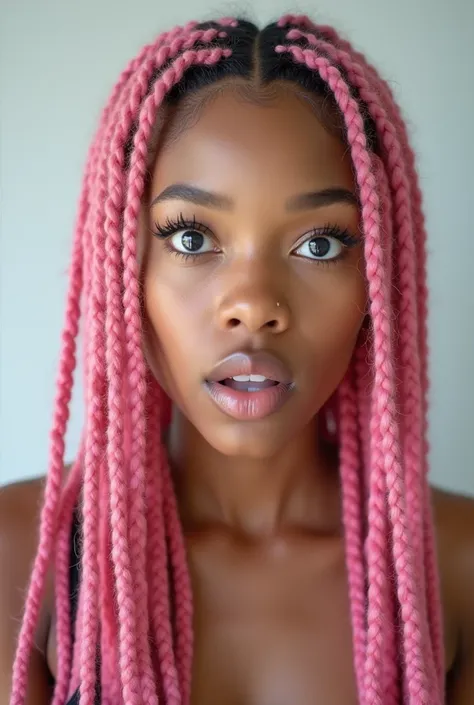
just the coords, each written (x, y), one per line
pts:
(172, 225)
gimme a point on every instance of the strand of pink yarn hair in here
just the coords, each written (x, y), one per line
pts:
(61, 580)
(52, 494)
(101, 197)
(418, 501)
(127, 619)
(407, 268)
(383, 90)
(108, 635)
(95, 443)
(169, 78)
(433, 585)
(404, 560)
(378, 604)
(135, 664)
(382, 662)
(158, 563)
(352, 504)
(95, 424)
(183, 607)
(70, 494)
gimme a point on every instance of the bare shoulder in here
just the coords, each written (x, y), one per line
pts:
(20, 506)
(454, 522)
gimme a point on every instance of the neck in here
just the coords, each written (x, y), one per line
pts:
(298, 487)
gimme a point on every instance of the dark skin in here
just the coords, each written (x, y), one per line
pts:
(259, 500)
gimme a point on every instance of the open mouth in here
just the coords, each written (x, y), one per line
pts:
(250, 386)
(248, 383)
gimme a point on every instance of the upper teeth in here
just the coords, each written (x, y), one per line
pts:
(249, 378)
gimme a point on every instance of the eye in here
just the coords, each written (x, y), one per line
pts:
(328, 244)
(191, 242)
(185, 237)
(321, 247)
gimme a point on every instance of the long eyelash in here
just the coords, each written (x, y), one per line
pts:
(172, 225)
(343, 235)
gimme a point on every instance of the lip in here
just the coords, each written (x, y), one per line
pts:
(242, 405)
(258, 363)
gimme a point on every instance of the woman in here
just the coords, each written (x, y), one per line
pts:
(248, 519)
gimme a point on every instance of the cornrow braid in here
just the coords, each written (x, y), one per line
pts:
(133, 637)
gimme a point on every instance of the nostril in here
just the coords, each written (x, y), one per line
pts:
(272, 324)
(234, 322)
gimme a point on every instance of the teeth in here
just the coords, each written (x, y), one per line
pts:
(249, 378)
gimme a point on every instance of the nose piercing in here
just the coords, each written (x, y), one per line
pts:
(278, 303)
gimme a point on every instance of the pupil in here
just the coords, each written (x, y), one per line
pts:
(319, 246)
(192, 241)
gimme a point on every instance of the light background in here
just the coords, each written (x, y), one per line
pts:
(58, 62)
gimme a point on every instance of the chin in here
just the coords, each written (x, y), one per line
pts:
(255, 441)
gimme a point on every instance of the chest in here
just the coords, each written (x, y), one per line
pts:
(272, 626)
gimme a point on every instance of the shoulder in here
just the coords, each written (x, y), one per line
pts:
(454, 524)
(20, 506)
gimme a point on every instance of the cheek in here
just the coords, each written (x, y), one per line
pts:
(172, 323)
(331, 323)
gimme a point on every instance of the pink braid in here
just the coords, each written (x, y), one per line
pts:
(136, 363)
(405, 564)
(61, 581)
(352, 504)
(160, 607)
(158, 568)
(393, 111)
(95, 442)
(182, 585)
(50, 510)
(407, 267)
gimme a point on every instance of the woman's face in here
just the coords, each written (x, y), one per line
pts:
(258, 251)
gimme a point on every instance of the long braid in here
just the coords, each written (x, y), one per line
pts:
(408, 317)
(158, 559)
(350, 456)
(52, 493)
(136, 363)
(395, 118)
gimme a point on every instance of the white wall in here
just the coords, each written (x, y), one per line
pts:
(58, 62)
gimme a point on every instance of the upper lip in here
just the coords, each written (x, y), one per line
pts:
(255, 363)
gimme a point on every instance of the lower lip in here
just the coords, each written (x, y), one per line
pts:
(248, 406)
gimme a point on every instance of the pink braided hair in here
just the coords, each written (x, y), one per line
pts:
(133, 546)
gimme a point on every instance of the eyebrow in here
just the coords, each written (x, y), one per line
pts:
(317, 199)
(193, 194)
(208, 199)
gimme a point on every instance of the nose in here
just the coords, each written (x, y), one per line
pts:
(254, 308)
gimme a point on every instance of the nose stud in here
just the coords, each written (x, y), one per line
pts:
(278, 303)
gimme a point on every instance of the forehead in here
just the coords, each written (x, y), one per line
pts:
(225, 138)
